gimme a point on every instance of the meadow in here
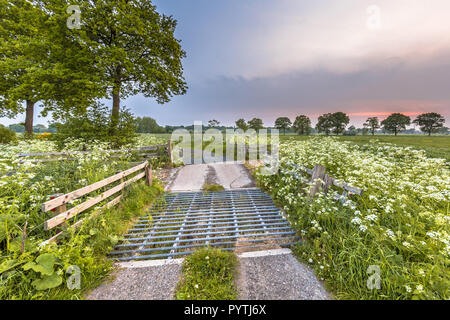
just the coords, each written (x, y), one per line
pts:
(400, 224)
(31, 271)
(397, 231)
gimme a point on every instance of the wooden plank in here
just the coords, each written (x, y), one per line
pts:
(345, 186)
(51, 204)
(57, 220)
(43, 154)
(79, 222)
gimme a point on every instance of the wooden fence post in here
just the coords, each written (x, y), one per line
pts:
(328, 181)
(149, 175)
(59, 209)
(318, 173)
(169, 150)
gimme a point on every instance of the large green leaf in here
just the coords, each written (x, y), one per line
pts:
(47, 282)
(8, 265)
(44, 265)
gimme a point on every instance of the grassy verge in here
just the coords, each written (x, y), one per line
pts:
(213, 188)
(27, 275)
(208, 274)
(389, 243)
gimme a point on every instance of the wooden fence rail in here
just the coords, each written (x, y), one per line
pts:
(58, 204)
(66, 155)
(321, 180)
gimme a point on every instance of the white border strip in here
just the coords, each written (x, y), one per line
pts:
(264, 253)
(165, 262)
(149, 263)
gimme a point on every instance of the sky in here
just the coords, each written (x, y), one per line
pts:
(273, 58)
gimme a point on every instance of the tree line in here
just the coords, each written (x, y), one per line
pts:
(336, 123)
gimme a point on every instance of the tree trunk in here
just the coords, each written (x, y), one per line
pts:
(115, 109)
(116, 98)
(29, 114)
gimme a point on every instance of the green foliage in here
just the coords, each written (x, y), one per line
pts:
(396, 122)
(208, 274)
(335, 122)
(97, 125)
(373, 124)
(6, 135)
(40, 61)
(17, 127)
(213, 188)
(399, 223)
(283, 123)
(352, 131)
(256, 124)
(430, 122)
(302, 125)
(148, 125)
(42, 273)
(131, 49)
(241, 124)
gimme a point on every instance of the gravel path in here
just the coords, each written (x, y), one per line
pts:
(140, 283)
(277, 277)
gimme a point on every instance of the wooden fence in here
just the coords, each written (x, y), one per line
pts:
(146, 152)
(322, 181)
(59, 203)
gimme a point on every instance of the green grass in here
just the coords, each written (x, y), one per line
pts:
(208, 274)
(213, 188)
(86, 247)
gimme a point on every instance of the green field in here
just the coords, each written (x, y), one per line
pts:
(435, 146)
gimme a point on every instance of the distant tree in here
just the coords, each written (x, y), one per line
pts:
(302, 125)
(430, 122)
(213, 123)
(444, 130)
(17, 127)
(364, 131)
(396, 122)
(339, 120)
(39, 128)
(53, 127)
(373, 124)
(148, 125)
(169, 129)
(325, 123)
(241, 124)
(255, 124)
(351, 131)
(283, 123)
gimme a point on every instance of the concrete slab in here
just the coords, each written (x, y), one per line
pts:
(271, 276)
(140, 283)
(194, 177)
(232, 175)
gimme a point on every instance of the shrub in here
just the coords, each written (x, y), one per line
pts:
(6, 135)
(95, 125)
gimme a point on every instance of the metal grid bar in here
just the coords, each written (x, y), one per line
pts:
(224, 219)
